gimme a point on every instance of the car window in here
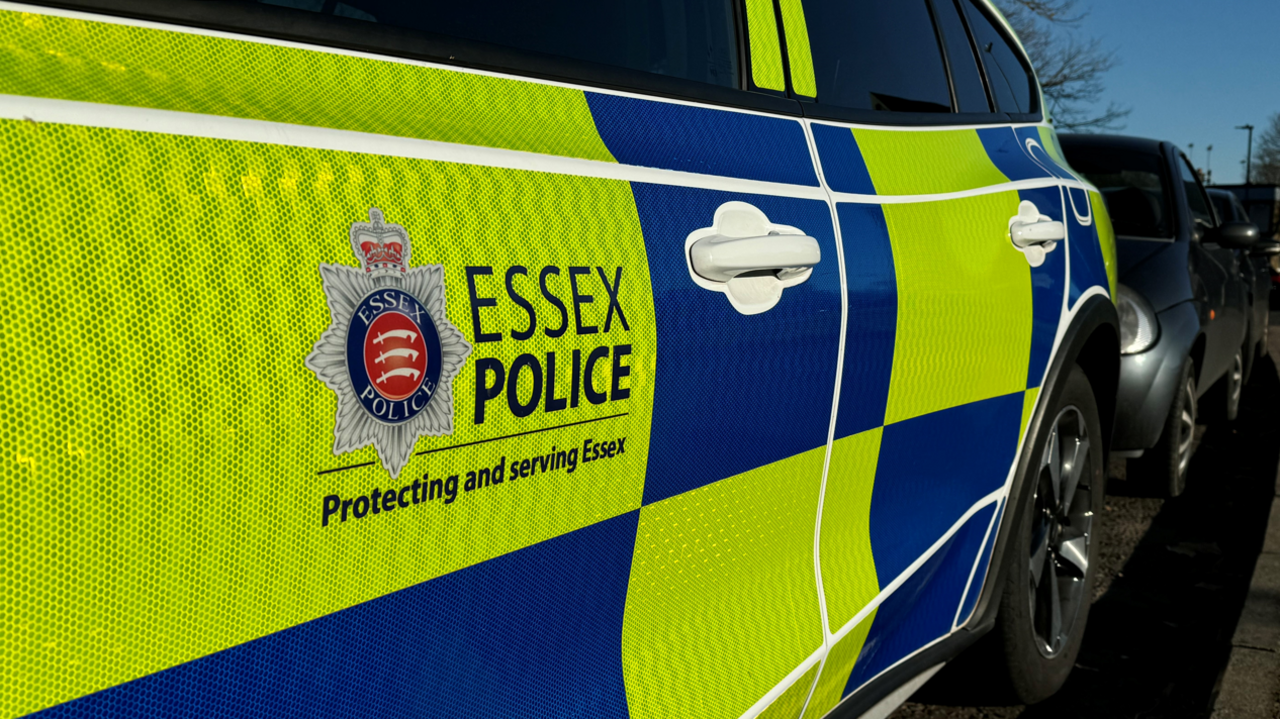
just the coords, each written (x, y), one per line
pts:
(690, 39)
(1011, 83)
(1197, 200)
(1239, 214)
(1222, 203)
(966, 78)
(1133, 185)
(869, 55)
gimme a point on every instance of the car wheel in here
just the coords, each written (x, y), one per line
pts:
(1164, 466)
(1049, 584)
(1235, 385)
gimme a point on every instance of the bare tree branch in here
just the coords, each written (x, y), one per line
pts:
(1070, 70)
(1266, 155)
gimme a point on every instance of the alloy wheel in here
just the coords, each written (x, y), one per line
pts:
(1237, 383)
(1186, 426)
(1062, 518)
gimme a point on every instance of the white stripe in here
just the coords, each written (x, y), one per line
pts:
(119, 117)
(796, 675)
(1013, 185)
(902, 578)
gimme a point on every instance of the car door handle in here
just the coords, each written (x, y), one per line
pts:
(720, 258)
(1034, 234)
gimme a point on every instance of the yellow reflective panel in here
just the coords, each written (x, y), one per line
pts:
(926, 162)
(723, 600)
(837, 668)
(57, 57)
(848, 567)
(163, 493)
(766, 52)
(1106, 239)
(1028, 406)
(964, 304)
(799, 57)
(791, 703)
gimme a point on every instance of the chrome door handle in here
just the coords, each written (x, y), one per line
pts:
(1034, 234)
(720, 258)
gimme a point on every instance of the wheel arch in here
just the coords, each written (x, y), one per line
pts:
(1092, 341)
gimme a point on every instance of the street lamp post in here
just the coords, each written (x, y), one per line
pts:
(1248, 158)
(1208, 163)
(1191, 152)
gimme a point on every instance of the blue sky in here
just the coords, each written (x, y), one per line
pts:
(1192, 71)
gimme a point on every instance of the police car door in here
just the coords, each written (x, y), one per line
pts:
(391, 386)
(950, 323)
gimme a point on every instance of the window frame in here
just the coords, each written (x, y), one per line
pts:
(339, 33)
(820, 111)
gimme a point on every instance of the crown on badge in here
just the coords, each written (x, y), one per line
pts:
(383, 248)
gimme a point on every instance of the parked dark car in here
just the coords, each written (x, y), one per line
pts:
(1258, 270)
(1184, 300)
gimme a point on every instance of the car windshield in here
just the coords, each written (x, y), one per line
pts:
(1132, 184)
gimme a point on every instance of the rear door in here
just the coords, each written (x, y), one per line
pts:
(388, 386)
(949, 326)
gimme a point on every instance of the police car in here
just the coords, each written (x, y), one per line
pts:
(714, 358)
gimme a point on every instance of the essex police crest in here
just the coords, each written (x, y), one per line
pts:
(390, 353)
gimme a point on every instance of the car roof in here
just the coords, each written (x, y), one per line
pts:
(1113, 142)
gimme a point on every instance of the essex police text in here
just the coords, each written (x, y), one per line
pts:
(492, 376)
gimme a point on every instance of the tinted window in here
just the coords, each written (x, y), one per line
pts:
(1133, 185)
(1011, 84)
(691, 39)
(971, 96)
(1197, 202)
(871, 55)
(1222, 203)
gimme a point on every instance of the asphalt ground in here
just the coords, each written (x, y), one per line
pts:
(1171, 582)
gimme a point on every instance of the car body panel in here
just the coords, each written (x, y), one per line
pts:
(203, 188)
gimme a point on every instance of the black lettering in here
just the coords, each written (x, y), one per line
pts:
(586, 447)
(373, 497)
(499, 472)
(572, 460)
(613, 299)
(588, 375)
(389, 500)
(471, 482)
(616, 390)
(524, 304)
(346, 504)
(580, 299)
(513, 387)
(608, 449)
(553, 403)
(482, 479)
(622, 441)
(564, 314)
(400, 500)
(524, 468)
(356, 509)
(451, 487)
(331, 504)
(484, 390)
(416, 485)
(436, 489)
(478, 302)
(575, 383)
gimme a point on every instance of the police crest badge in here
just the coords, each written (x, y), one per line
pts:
(390, 352)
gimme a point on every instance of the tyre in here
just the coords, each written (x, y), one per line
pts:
(1164, 466)
(1052, 554)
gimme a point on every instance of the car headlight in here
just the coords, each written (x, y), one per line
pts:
(1139, 328)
